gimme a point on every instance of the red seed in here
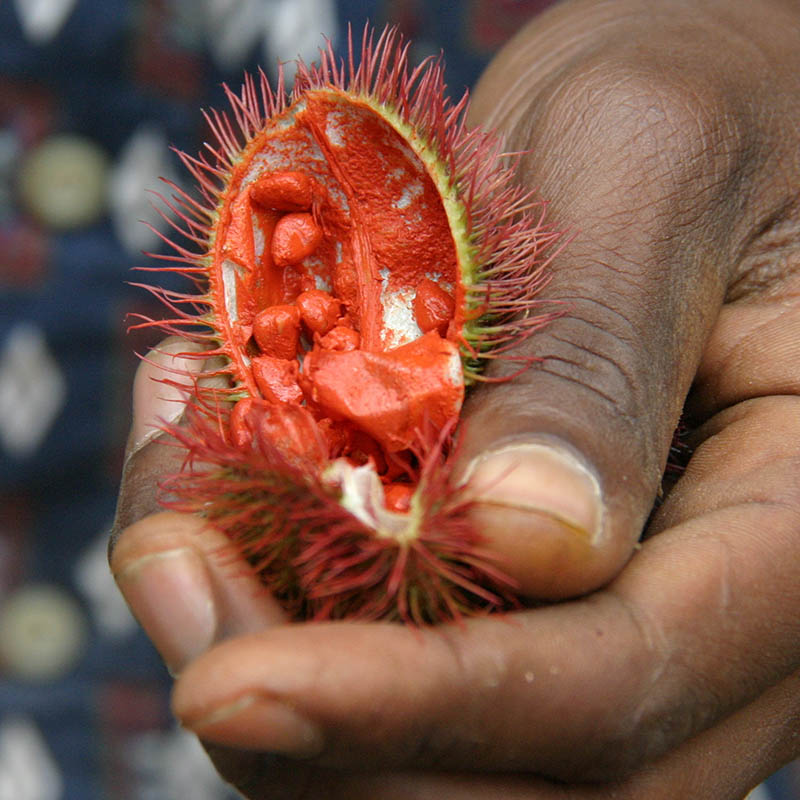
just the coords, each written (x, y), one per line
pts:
(293, 430)
(320, 311)
(391, 395)
(295, 237)
(433, 307)
(277, 331)
(284, 191)
(276, 378)
(341, 338)
(397, 496)
(285, 427)
(242, 431)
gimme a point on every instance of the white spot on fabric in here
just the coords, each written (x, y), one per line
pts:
(43, 633)
(41, 20)
(234, 28)
(109, 610)
(294, 28)
(144, 159)
(173, 764)
(28, 770)
(32, 390)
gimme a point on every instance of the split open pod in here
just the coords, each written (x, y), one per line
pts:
(358, 256)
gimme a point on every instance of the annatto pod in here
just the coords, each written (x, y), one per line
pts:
(358, 257)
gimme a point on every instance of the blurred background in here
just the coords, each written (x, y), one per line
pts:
(92, 95)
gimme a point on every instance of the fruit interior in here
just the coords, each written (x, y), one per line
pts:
(337, 291)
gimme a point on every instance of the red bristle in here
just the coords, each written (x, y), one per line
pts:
(338, 565)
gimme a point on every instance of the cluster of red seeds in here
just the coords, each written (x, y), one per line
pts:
(288, 343)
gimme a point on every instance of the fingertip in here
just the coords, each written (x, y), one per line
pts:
(188, 586)
(168, 587)
(253, 722)
(158, 396)
(163, 530)
(541, 509)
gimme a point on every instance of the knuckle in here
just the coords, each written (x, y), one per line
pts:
(637, 128)
(640, 101)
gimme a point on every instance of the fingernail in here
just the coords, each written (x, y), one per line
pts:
(254, 721)
(156, 402)
(170, 594)
(541, 479)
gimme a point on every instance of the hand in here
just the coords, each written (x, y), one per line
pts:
(666, 137)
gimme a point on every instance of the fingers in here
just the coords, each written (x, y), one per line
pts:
(597, 686)
(187, 586)
(161, 389)
(721, 764)
(616, 367)
(703, 620)
(754, 348)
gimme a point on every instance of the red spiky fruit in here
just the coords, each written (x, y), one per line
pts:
(359, 255)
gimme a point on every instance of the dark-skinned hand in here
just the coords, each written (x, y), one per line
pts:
(666, 136)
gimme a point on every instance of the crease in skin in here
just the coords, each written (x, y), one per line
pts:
(616, 365)
(286, 730)
(746, 335)
(130, 569)
(647, 710)
(224, 712)
(725, 594)
(608, 399)
(770, 257)
(597, 328)
(601, 359)
(650, 632)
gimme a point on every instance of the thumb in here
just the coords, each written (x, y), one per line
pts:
(566, 460)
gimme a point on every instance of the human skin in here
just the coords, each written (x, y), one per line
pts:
(665, 135)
